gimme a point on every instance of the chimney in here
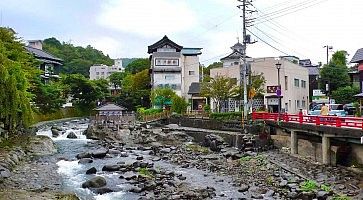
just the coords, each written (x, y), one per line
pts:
(37, 44)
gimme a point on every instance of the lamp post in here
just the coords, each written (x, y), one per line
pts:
(278, 67)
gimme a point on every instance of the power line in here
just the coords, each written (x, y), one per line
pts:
(268, 43)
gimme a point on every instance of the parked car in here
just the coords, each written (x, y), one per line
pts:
(334, 110)
(349, 108)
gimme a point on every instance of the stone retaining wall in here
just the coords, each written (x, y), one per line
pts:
(206, 123)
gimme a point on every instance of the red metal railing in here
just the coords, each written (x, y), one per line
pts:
(347, 122)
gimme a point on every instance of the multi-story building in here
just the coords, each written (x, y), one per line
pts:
(103, 71)
(294, 81)
(176, 67)
(313, 75)
(49, 64)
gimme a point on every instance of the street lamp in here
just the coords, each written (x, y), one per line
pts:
(278, 92)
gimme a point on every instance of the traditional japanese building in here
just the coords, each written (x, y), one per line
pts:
(175, 67)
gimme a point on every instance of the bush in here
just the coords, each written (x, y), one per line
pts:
(309, 186)
(226, 116)
(150, 111)
(179, 105)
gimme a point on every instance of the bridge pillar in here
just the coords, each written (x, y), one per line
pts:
(294, 142)
(326, 149)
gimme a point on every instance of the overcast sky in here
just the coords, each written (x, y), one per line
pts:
(124, 28)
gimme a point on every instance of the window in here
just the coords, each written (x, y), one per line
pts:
(298, 103)
(296, 82)
(303, 84)
(286, 82)
(169, 77)
(236, 63)
(303, 103)
(102, 73)
(173, 86)
(97, 73)
(191, 73)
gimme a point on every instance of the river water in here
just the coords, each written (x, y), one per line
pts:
(73, 173)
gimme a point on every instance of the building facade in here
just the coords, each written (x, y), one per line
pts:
(49, 64)
(314, 72)
(175, 67)
(101, 71)
(294, 81)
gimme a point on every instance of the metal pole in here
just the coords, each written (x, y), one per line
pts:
(244, 63)
(278, 83)
(327, 54)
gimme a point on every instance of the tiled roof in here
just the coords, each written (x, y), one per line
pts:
(191, 51)
(194, 88)
(164, 41)
(40, 54)
(358, 56)
(110, 107)
(234, 55)
(313, 70)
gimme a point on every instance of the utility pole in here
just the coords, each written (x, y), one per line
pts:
(327, 52)
(243, 63)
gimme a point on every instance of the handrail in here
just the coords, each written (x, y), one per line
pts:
(335, 121)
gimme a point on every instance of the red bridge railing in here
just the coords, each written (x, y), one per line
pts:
(347, 122)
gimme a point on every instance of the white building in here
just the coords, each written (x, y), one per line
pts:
(294, 80)
(103, 71)
(176, 67)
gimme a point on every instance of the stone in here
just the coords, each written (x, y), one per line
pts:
(4, 172)
(243, 188)
(100, 153)
(322, 195)
(269, 193)
(182, 178)
(114, 151)
(139, 158)
(72, 135)
(85, 160)
(55, 132)
(283, 183)
(124, 154)
(95, 182)
(136, 190)
(165, 150)
(103, 190)
(84, 155)
(111, 168)
(92, 170)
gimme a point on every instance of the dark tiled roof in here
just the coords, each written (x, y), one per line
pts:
(360, 95)
(164, 41)
(110, 107)
(238, 45)
(358, 56)
(234, 55)
(194, 88)
(313, 70)
(40, 54)
(191, 51)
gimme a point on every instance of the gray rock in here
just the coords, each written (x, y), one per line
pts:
(136, 190)
(124, 154)
(292, 195)
(113, 151)
(95, 182)
(71, 135)
(55, 132)
(100, 153)
(269, 193)
(283, 183)
(92, 170)
(4, 172)
(103, 190)
(85, 160)
(243, 188)
(139, 158)
(322, 195)
(165, 150)
(84, 155)
(111, 168)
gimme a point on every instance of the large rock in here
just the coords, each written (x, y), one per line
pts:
(41, 145)
(103, 190)
(213, 141)
(72, 135)
(4, 173)
(111, 168)
(100, 153)
(55, 132)
(85, 160)
(95, 182)
(84, 155)
(92, 170)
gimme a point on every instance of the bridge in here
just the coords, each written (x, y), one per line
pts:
(342, 131)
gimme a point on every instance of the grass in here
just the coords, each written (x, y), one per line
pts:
(197, 148)
(245, 159)
(259, 159)
(145, 172)
(309, 186)
(326, 188)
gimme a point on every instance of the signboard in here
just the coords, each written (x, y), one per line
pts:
(272, 89)
(273, 101)
(278, 92)
(318, 93)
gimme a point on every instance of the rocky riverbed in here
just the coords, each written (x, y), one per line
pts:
(143, 162)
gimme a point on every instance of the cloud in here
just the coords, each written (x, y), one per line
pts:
(146, 17)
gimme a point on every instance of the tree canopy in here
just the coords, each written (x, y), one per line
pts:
(76, 59)
(345, 94)
(16, 72)
(138, 65)
(212, 66)
(336, 72)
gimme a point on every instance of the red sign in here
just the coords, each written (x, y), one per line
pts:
(272, 89)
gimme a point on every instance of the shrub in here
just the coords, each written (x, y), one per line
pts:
(179, 105)
(309, 186)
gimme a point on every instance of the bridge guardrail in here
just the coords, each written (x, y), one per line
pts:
(335, 121)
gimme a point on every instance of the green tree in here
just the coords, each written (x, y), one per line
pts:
(48, 98)
(85, 93)
(179, 105)
(77, 60)
(117, 78)
(162, 97)
(212, 66)
(336, 72)
(17, 68)
(138, 65)
(345, 94)
(219, 89)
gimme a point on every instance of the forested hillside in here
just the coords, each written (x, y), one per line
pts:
(77, 59)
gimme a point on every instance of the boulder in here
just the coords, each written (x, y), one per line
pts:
(103, 190)
(243, 188)
(84, 155)
(4, 173)
(56, 128)
(95, 182)
(165, 150)
(111, 168)
(72, 135)
(100, 153)
(55, 132)
(92, 170)
(85, 160)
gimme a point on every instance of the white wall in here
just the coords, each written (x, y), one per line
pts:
(102, 71)
(190, 72)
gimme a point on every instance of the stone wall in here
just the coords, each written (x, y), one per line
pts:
(357, 153)
(206, 123)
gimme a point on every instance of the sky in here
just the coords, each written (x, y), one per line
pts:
(124, 28)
